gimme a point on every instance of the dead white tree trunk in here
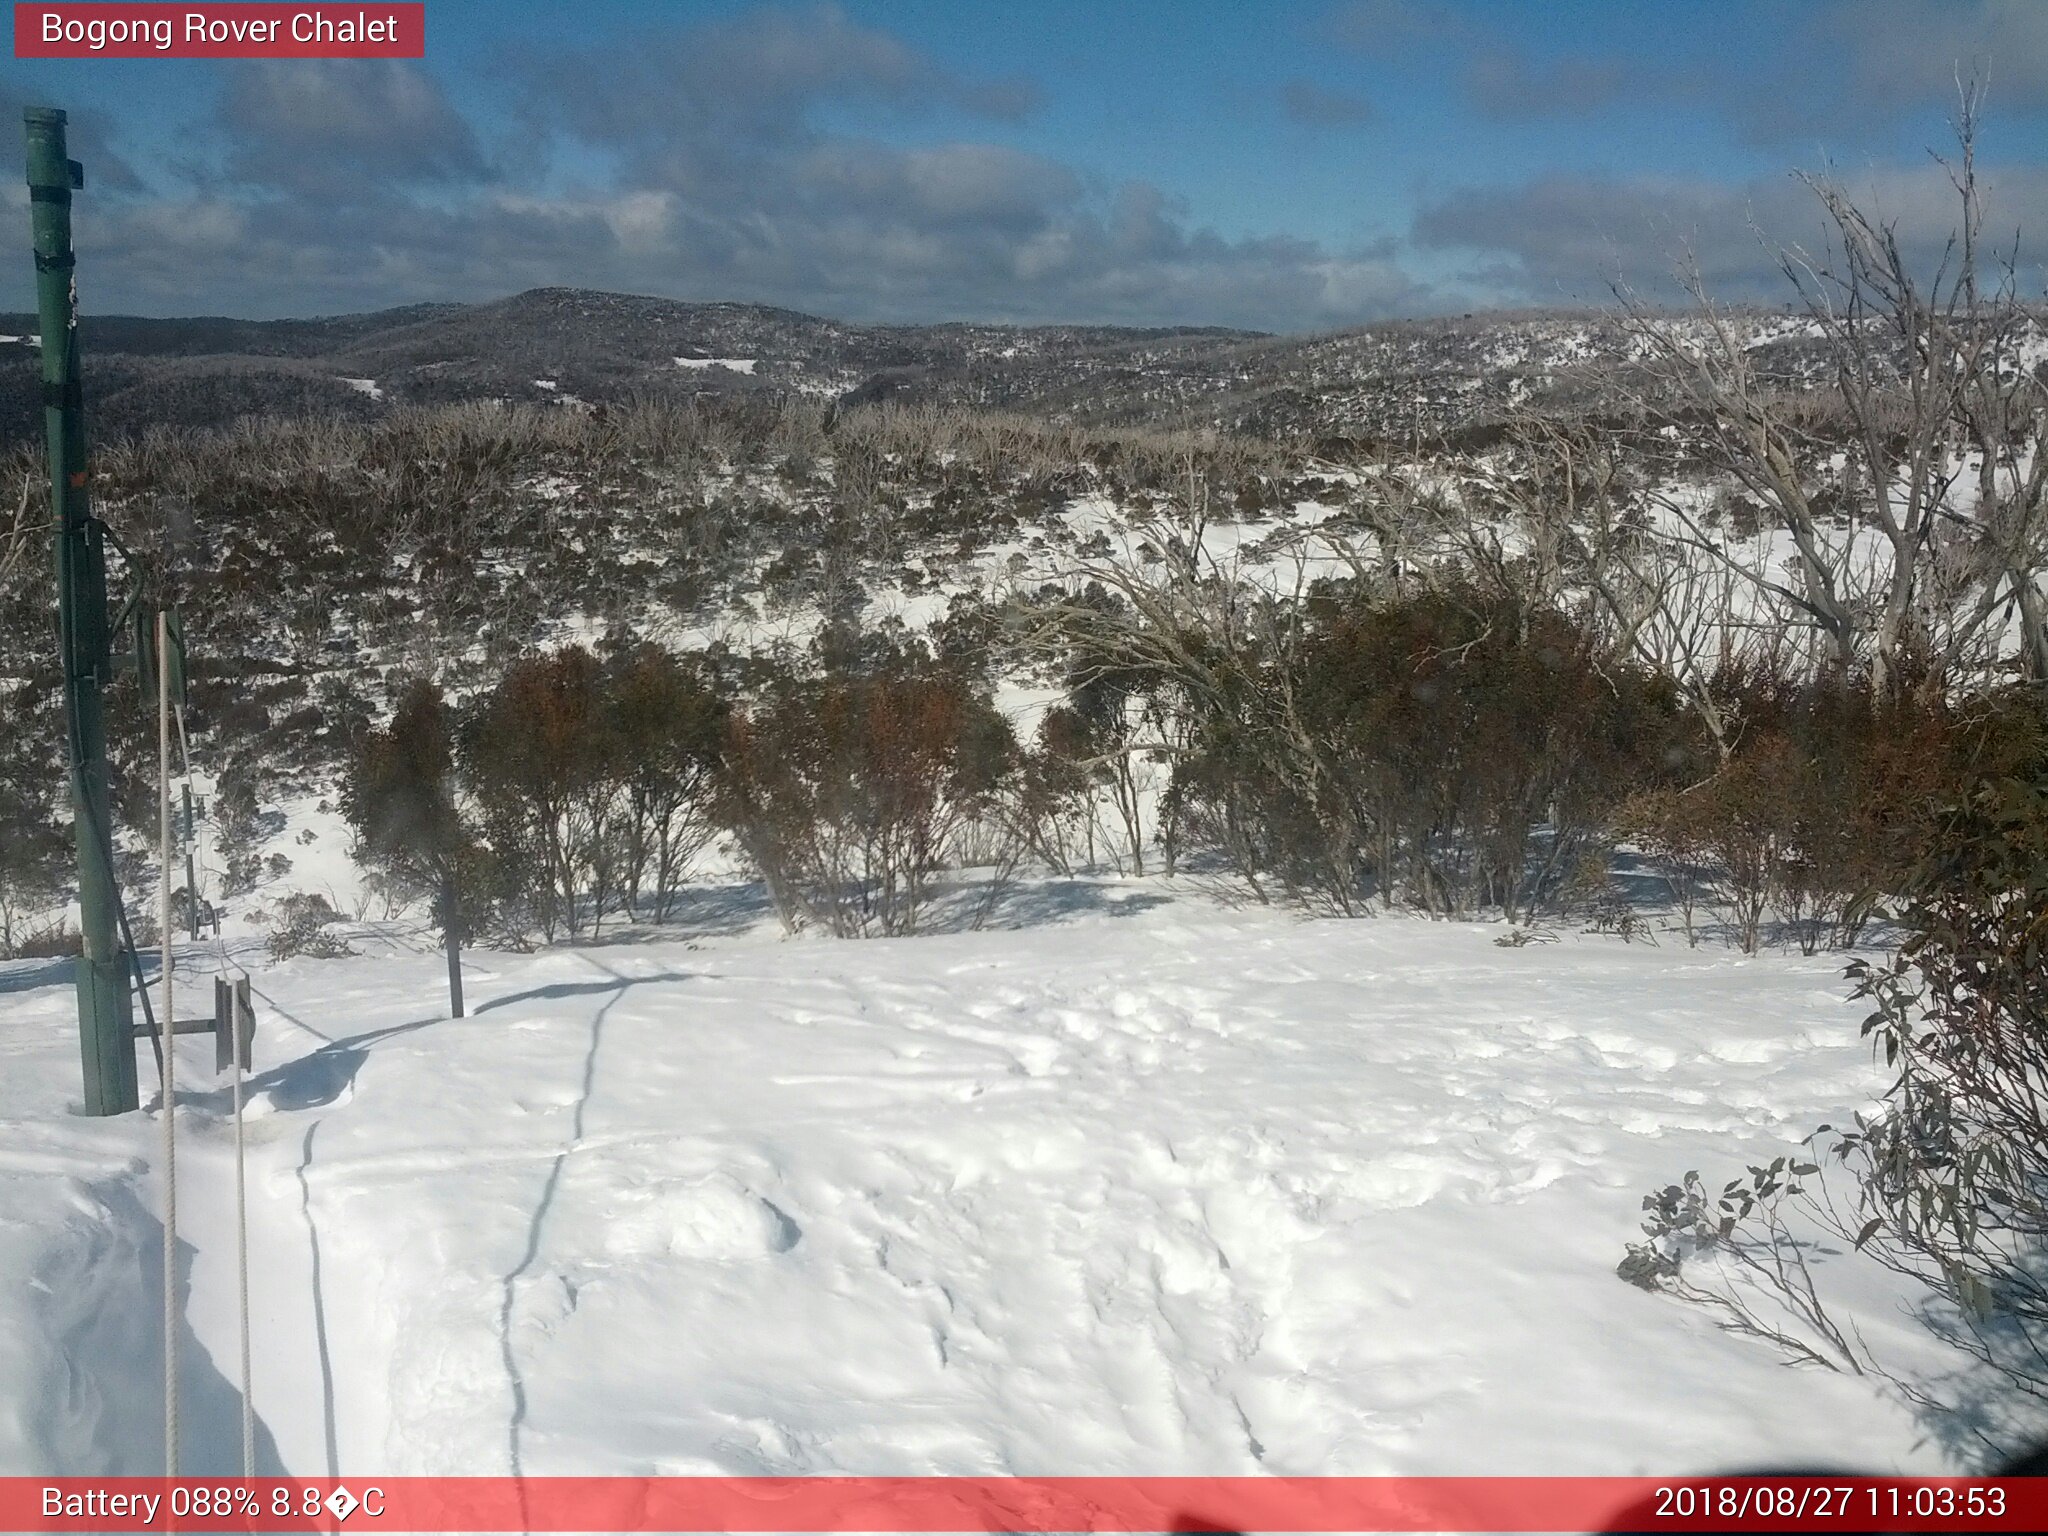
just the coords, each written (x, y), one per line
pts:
(1900, 557)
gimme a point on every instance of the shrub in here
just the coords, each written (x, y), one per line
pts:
(538, 752)
(1953, 1177)
(1670, 824)
(300, 926)
(1816, 816)
(850, 793)
(1950, 1175)
(52, 942)
(1053, 796)
(240, 833)
(666, 719)
(1453, 748)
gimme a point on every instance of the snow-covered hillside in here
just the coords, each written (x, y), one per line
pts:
(1131, 1182)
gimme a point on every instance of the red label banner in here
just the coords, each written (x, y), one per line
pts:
(215, 31)
(1021, 1504)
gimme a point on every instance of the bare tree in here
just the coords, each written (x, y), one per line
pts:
(14, 533)
(1902, 555)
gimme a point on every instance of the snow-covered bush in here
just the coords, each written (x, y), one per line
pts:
(301, 925)
(240, 831)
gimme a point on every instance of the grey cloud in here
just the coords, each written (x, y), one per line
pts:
(1500, 80)
(372, 190)
(1852, 67)
(839, 225)
(1130, 260)
(1320, 106)
(1911, 48)
(335, 126)
(756, 74)
(90, 135)
(1509, 85)
(1374, 26)
(1570, 237)
(1830, 70)
(954, 185)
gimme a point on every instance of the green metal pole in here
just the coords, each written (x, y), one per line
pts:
(105, 1029)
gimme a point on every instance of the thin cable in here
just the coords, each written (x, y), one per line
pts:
(163, 736)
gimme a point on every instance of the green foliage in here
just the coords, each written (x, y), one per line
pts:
(1736, 1253)
(1950, 1175)
(666, 717)
(403, 798)
(1953, 1176)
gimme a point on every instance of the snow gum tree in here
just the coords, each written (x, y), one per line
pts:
(851, 791)
(666, 718)
(544, 759)
(402, 795)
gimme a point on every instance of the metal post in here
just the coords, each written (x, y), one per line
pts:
(106, 1041)
(451, 942)
(191, 839)
(191, 871)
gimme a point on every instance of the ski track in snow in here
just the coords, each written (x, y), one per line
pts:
(1161, 1187)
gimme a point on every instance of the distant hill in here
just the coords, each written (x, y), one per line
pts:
(579, 347)
(571, 345)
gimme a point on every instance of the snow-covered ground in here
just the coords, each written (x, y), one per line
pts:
(1135, 1181)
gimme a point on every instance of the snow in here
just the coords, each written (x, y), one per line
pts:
(1134, 1181)
(734, 364)
(368, 387)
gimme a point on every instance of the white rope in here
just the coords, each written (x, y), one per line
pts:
(242, 1241)
(227, 967)
(163, 733)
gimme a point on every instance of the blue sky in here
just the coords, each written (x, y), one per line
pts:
(1284, 166)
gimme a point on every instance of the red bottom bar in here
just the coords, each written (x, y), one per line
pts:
(1018, 1504)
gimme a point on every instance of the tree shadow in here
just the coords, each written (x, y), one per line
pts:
(691, 912)
(557, 990)
(27, 976)
(963, 907)
(1981, 1413)
(311, 1081)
